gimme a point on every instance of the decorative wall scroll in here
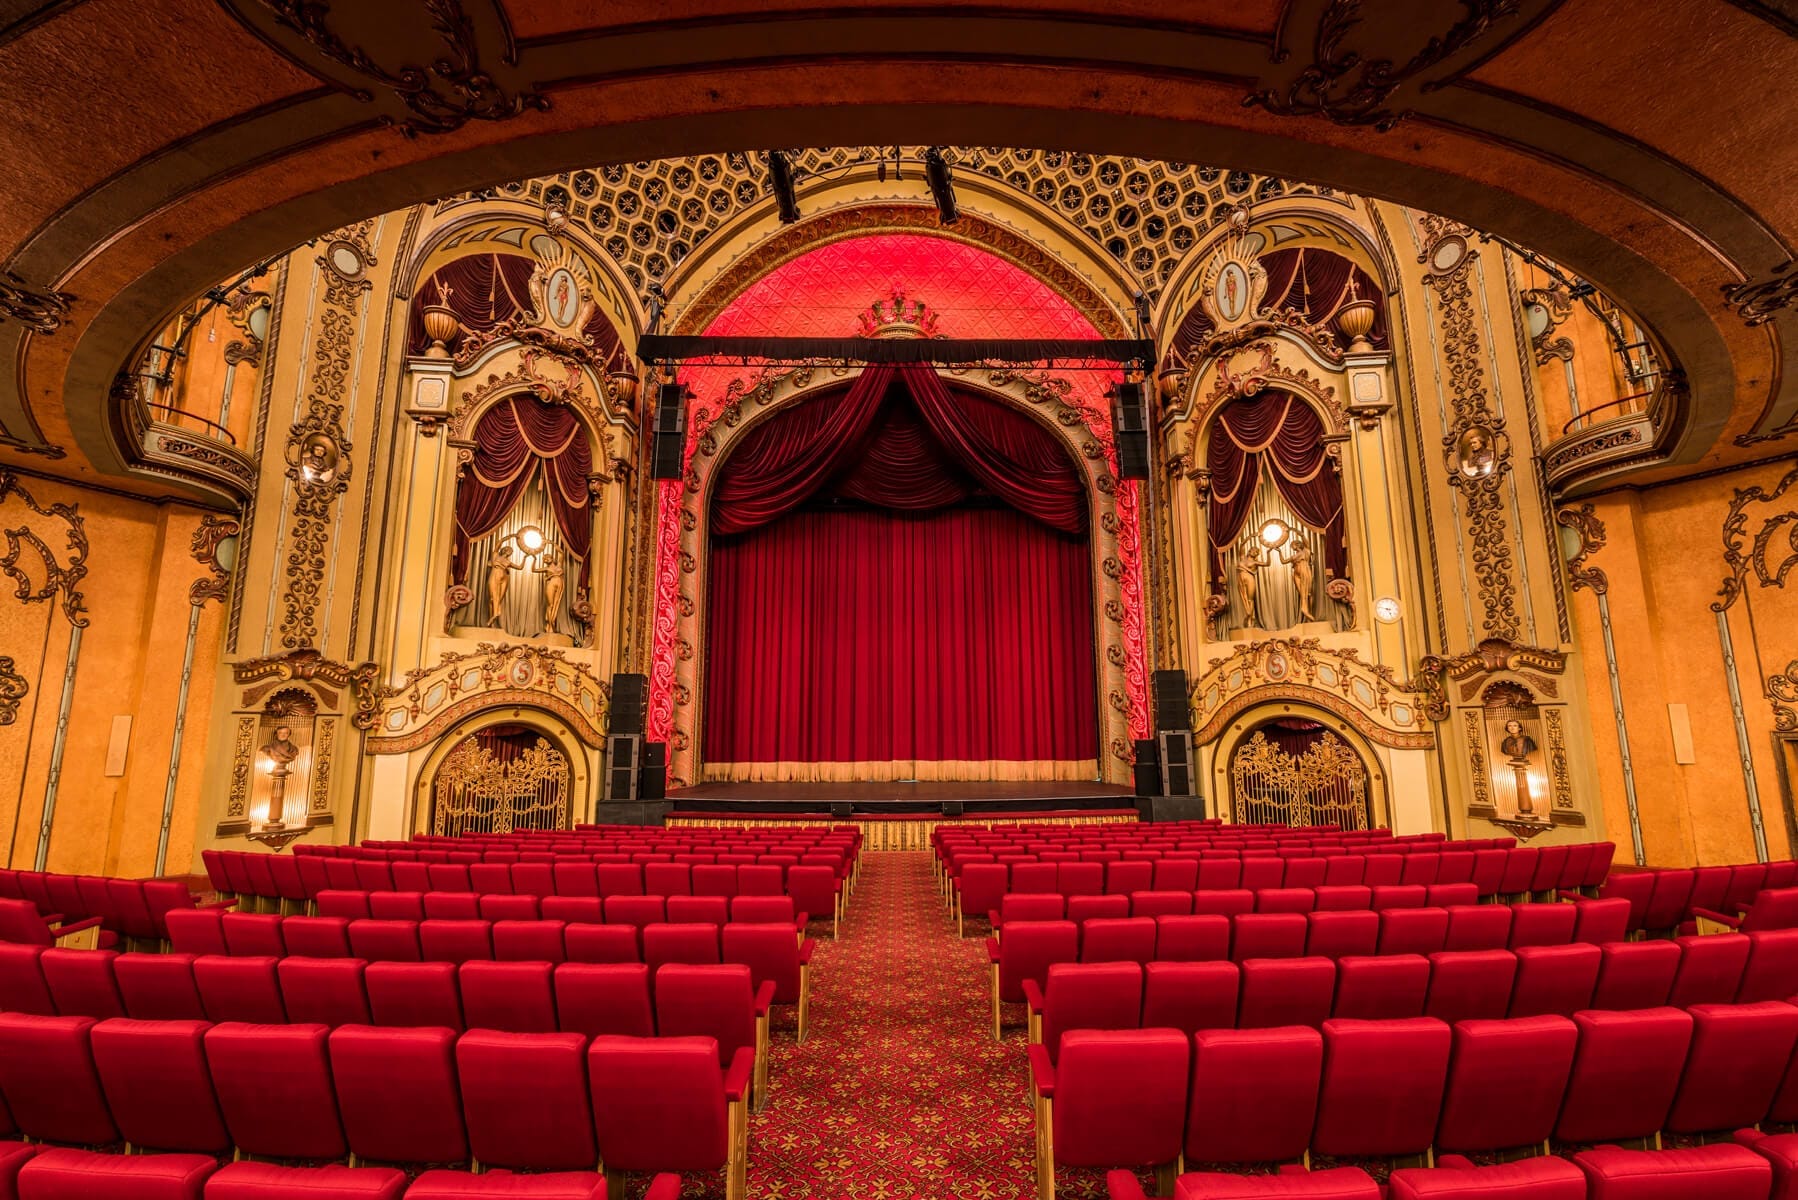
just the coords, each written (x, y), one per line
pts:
(477, 791)
(1233, 288)
(13, 689)
(259, 676)
(324, 741)
(41, 310)
(456, 87)
(1758, 301)
(1584, 523)
(1544, 309)
(215, 548)
(1782, 689)
(431, 699)
(1764, 551)
(1537, 668)
(1475, 444)
(61, 581)
(251, 312)
(1367, 695)
(243, 746)
(1325, 785)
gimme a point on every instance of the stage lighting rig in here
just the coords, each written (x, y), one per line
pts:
(780, 182)
(942, 187)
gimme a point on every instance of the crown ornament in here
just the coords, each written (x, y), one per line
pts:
(898, 317)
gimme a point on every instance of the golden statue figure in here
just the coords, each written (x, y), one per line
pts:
(1298, 557)
(1249, 561)
(555, 582)
(499, 579)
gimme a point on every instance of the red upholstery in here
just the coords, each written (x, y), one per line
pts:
(669, 943)
(528, 941)
(1529, 1179)
(718, 1002)
(1668, 900)
(1227, 902)
(398, 906)
(1087, 908)
(80, 983)
(158, 1085)
(1119, 1097)
(763, 909)
(524, 1096)
(1710, 969)
(1736, 1064)
(266, 1181)
(1470, 984)
(519, 906)
(1554, 979)
(1342, 1183)
(663, 879)
(1542, 924)
(158, 987)
(1157, 904)
(1285, 900)
(453, 906)
(1198, 938)
(1190, 996)
(23, 987)
(324, 991)
(1334, 934)
(48, 1080)
(83, 1175)
(413, 994)
(1343, 897)
(558, 1185)
(274, 1089)
(1080, 878)
(319, 937)
(660, 1103)
(1413, 930)
(252, 933)
(385, 941)
(619, 879)
(1505, 1083)
(514, 996)
(1721, 1172)
(1381, 988)
(398, 1094)
(1625, 1074)
(1635, 974)
(1027, 952)
(1125, 939)
(455, 941)
(1781, 1152)
(1772, 970)
(635, 910)
(608, 998)
(1382, 1087)
(1254, 1094)
(1601, 921)
(1286, 991)
(239, 989)
(1393, 895)
(1267, 935)
(1104, 995)
(196, 931)
(772, 955)
(601, 943)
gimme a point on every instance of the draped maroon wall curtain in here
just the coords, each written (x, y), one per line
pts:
(900, 574)
(1281, 431)
(517, 439)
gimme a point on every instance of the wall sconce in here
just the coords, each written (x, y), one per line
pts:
(531, 538)
(1274, 533)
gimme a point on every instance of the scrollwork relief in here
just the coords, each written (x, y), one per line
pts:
(213, 532)
(1755, 553)
(41, 310)
(13, 690)
(1585, 523)
(1782, 689)
(1758, 301)
(61, 581)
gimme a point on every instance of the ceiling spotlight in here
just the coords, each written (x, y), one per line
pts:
(942, 190)
(780, 182)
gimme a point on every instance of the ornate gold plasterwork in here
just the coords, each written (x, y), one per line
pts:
(1475, 445)
(241, 307)
(529, 376)
(13, 689)
(1560, 777)
(1782, 689)
(1758, 301)
(476, 792)
(1474, 723)
(1585, 523)
(324, 741)
(216, 583)
(1744, 553)
(1556, 306)
(326, 678)
(1234, 382)
(41, 310)
(1325, 785)
(61, 580)
(242, 749)
(1232, 289)
(432, 699)
(1493, 658)
(1367, 695)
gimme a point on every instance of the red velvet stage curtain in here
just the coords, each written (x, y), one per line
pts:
(1287, 433)
(872, 637)
(517, 438)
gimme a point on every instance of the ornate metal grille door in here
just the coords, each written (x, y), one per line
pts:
(476, 792)
(1326, 785)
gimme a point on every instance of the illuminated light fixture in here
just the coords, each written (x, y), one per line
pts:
(780, 182)
(1274, 532)
(942, 188)
(531, 538)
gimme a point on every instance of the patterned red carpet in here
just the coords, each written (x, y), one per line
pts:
(899, 1091)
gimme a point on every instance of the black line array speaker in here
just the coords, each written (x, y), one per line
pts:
(623, 760)
(1148, 768)
(952, 808)
(630, 700)
(1173, 710)
(1176, 762)
(652, 780)
(1130, 430)
(670, 431)
(842, 810)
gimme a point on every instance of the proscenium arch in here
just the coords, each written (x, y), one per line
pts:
(554, 729)
(125, 248)
(1243, 727)
(686, 759)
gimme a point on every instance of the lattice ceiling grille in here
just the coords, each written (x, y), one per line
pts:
(1147, 214)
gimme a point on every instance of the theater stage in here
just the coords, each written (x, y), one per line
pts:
(898, 798)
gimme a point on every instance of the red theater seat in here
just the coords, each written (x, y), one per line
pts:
(1190, 996)
(324, 991)
(1286, 991)
(1267, 935)
(1470, 984)
(317, 937)
(239, 989)
(1635, 974)
(1285, 900)
(1159, 904)
(252, 933)
(1225, 902)
(267, 1181)
(455, 941)
(399, 906)
(1601, 921)
(1254, 1095)
(1125, 939)
(385, 941)
(1413, 930)
(397, 1091)
(82, 1175)
(23, 987)
(1097, 907)
(81, 983)
(1625, 1073)
(721, 1003)
(1382, 1087)
(1505, 1083)
(48, 1079)
(528, 941)
(1721, 1172)
(158, 987)
(194, 931)
(1542, 924)
(1529, 1179)
(1555, 979)
(1085, 996)
(451, 906)
(413, 994)
(1343, 897)
(1737, 1062)
(557, 1185)
(1026, 953)
(524, 1096)
(1111, 1099)
(1381, 988)
(665, 1104)
(158, 1085)
(513, 996)
(1772, 969)
(1197, 938)
(274, 1089)
(604, 998)
(601, 944)
(1710, 969)
(1336, 934)
(666, 943)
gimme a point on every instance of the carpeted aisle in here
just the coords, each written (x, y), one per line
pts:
(900, 1090)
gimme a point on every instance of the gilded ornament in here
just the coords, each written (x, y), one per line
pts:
(40, 310)
(475, 792)
(13, 689)
(1325, 785)
(1759, 301)
(61, 581)
(1584, 523)
(214, 546)
(1757, 554)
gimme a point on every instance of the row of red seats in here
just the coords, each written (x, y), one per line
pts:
(1662, 900)
(1756, 1166)
(1053, 906)
(1453, 985)
(625, 910)
(725, 1001)
(1520, 872)
(293, 882)
(948, 843)
(1396, 1090)
(609, 849)
(124, 908)
(195, 1094)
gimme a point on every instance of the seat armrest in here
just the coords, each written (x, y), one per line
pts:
(764, 997)
(807, 950)
(992, 950)
(219, 904)
(992, 919)
(1033, 995)
(1123, 1185)
(1459, 1162)
(800, 921)
(1712, 915)
(739, 1073)
(1042, 1071)
(63, 928)
(665, 1186)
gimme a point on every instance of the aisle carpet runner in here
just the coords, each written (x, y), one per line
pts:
(900, 1090)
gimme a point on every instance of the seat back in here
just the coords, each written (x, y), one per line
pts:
(413, 994)
(1384, 988)
(401, 906)
(666, 943)
(385, 941)
(771, 953)
(196, 931)
(513, 996)
(1027, 951)
(159, 1086)
(1635, 974)
(1710, 969)
(1470, 984)
(1196, 938)
(601, 943)
(1120, 1097)
(23, 987)
(455, 941)
(1190, 996)
(397, 1092)
(1254, 1094)
(1668, 899)
(604, 998)
(1601, 921)
(1505, 1083)
(48, 1080)
(1413, 930)
(1626, 1069)
(1105, 995)
(707, 1001)
(274, 1089)
(1772, 969)
(525, 1100)
(529, 941)
(158, 987)
(81, 983)
(1478, 927)
(1124, 939)
(1286, 991)
(1774, 908)
(701, 910)
(1382, 1087)
(324, 991)
(1267, 935)
(1336, 934)
(1555, 979)
(1542, 924)
(658, 1103)
(1736, 1064)
(317, 937)
(240, 989)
